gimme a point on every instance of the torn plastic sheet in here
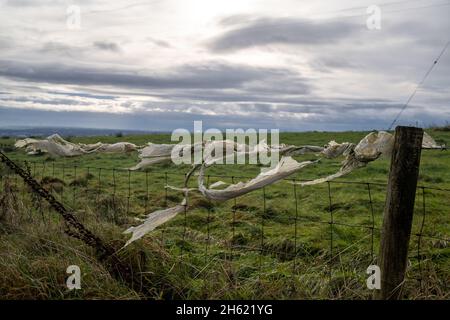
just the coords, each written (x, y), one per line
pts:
(156, 150)
(24, 142)
(158, 217)
(284, 168)
(162, 152)
(159, 153)
(147, 162)
(296, 151)
(153, 220)
(153, 154)
(57, 146)
(371, 147)
(118, 147)
(429, 143)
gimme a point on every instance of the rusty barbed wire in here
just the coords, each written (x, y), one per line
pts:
(73, 227)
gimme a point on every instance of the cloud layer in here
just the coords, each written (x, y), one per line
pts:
(289, 31)
(159, 65)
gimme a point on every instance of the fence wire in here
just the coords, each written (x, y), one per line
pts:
(118, 193)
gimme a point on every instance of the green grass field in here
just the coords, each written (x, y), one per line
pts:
(264, 245)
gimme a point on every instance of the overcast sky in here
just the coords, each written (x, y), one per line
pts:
(160, 64)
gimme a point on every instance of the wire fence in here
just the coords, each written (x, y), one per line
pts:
(337, 223)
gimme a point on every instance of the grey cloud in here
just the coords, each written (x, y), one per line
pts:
(263, 107)
(38, 100)
(179, 117)
(430, 31)
(236, 20)
(330, 64)
(107, 46)
(340, 59)
(84, 95)
(322, 108)
(6, 42)
(60, 50)
(160, 43)
(266, 31)
(205, 76)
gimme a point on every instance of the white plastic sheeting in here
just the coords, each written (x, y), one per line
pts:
(429, 143)
(370, 148)
(286, 167)
(153, 220)
(118, 147)
(24, 142)
(152, 154)
(158, 153)
(57, 146)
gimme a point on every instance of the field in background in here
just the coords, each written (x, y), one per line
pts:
(251, 247)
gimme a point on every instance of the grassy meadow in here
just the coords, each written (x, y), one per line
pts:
(275, 243)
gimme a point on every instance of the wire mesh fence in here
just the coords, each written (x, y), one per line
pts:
(334, 227)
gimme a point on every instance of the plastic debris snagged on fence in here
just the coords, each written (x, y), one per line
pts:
(152, 154)
(370, 148)
(429, 143)
(153, 220)
(286, 167)
(57, 146)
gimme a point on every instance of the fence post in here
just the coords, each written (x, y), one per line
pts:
(398, 210)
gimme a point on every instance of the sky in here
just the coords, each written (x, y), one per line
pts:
(158, 65)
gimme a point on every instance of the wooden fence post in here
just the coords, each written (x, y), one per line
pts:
(398, 210)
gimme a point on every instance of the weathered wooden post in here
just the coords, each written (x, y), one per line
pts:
(398, 210)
